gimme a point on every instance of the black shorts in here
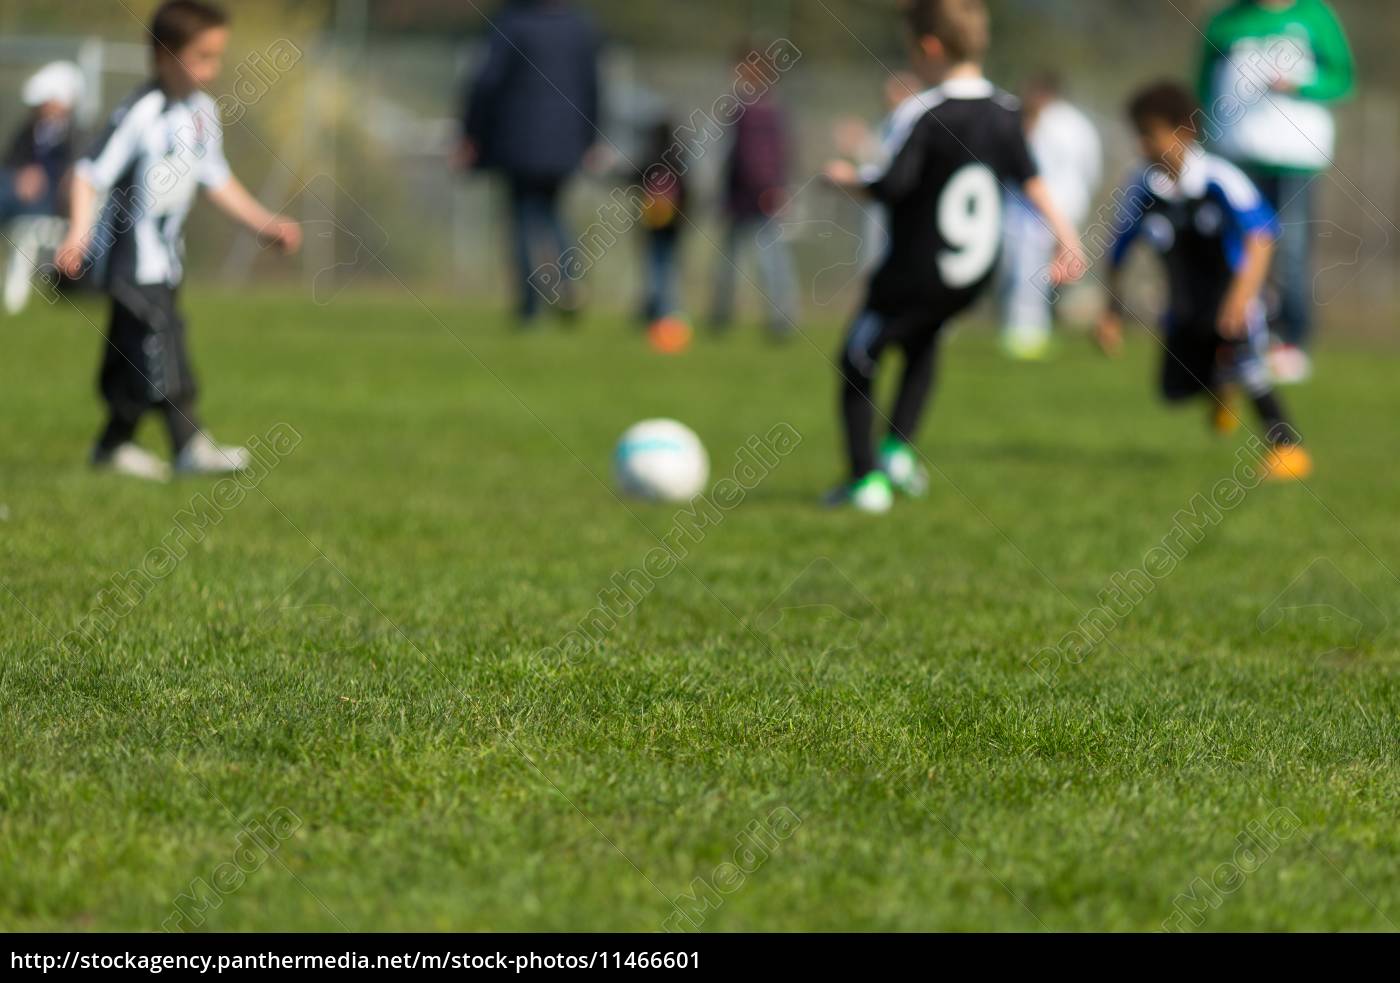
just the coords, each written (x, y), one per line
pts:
(146, 359)
(1198, 360)
(874, 332)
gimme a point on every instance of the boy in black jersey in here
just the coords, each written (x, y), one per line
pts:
(1216, 235)
(951, 153)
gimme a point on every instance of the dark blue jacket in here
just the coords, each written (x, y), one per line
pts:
(532, 109)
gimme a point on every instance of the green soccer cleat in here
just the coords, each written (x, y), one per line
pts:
(901, 465)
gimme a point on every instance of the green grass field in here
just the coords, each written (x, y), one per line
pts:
(345, 704)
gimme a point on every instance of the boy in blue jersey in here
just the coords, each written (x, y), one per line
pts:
(1216, 235)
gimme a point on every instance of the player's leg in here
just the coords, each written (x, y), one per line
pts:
(661, 274)
(778, 278)
(1291, 196)
(726, 276)
(869, 489)
(1027, 314)
(521, 209)
(550, 215)
(1288, 460)
(125, 387)
(898, 459)
(175, 392)
(1295, 265)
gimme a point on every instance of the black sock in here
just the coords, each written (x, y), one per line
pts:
(120, 429)
(180, 422)
(1278, 431)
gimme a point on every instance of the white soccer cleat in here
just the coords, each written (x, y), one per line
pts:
(202, 456)
(1290, 365)
(902, 467)
(133, 462)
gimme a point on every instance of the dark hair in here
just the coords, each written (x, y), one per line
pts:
(178, 22)
(1163, 102)
(962, 26)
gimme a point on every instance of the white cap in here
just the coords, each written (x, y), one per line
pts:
(59, 81)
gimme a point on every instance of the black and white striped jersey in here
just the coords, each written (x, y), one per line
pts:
(152, 159)
(950, 155)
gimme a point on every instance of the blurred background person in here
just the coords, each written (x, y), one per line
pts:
(1280, 129)
(662, 178)
(532, 114)
(1067, 150)
(857, 141)
(33, 175)
(755, 191)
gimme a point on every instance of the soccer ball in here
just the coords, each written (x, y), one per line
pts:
(661, 461)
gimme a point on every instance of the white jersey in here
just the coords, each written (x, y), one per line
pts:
(152, 160)
(1069, 154)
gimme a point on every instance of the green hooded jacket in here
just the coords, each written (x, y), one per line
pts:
(1248, 45)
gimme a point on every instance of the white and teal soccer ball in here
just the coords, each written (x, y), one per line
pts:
(661, 461)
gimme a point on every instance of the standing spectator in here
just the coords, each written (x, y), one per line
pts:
(33, 177)
(662, 177)
(1069, 154)
(756, 180)
(41, 152)
(532, 114)
(1270, 71)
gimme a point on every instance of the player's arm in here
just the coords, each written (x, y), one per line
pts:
(1108, 333)
(1260, 230)
(235, 201)
(229, 196)
(96, 174)
(82, 218)
(1070, 264)
(1248, 284)
(889, 183)
(1127, 225)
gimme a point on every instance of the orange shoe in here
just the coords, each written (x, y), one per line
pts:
(1288, 462)
(1223, 419)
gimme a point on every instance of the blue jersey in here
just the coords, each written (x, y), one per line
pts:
(1199, 223)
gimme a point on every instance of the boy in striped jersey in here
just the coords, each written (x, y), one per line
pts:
(161, 147)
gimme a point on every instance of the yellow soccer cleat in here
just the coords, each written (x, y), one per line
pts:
(1224, 421)
(1288, 462)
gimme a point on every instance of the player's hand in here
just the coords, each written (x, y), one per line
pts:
(465, 155)
(602, 158)
(842, 174)
(283, 233)
(1233, 320)
(70, 256)
(772, 201)
(31, 183)
(1108, 334)
(851, 137)
(1070, 264)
